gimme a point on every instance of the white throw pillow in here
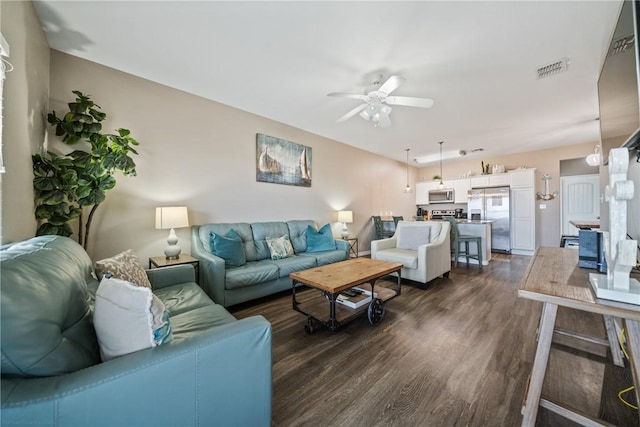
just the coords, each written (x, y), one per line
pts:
(410, 237)
(128, 318)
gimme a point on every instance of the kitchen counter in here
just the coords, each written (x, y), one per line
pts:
(474, 221)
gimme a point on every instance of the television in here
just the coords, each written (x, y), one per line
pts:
(619, 104)
(618, 96)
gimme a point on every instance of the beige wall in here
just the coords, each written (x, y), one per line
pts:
(545, 161)
(201, 154)
(26, 95)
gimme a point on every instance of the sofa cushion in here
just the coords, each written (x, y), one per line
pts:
(51, 273)
(124, 266)
(412, 237)
(407, 257)
(262, 230)
(128, 318)
(182, 298)
(251, 274)
(321, 240)
(298, 233)
(228, 247)
(191, 323)
(325, 257)
(296, 263)
(279, 247)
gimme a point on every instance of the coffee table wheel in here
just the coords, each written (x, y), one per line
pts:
(309, 328)
(375, 312)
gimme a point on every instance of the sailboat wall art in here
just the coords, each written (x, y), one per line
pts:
(279, 161)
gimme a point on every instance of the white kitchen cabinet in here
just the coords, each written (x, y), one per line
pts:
(479, 181)
(493, 180)
(523, 221)
(499, 180)
(422, 191)
(522, 178)
(460, 189)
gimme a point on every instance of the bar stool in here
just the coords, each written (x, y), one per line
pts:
(457, 238)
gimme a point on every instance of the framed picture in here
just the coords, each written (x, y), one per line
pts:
(279, 161)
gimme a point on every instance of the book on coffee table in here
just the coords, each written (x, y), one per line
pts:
(364, 291)
(354, 301)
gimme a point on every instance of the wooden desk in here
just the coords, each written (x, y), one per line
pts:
(554, 279)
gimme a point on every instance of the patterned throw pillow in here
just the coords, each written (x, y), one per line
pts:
(280, 247)
(128, 318)
(125, 266)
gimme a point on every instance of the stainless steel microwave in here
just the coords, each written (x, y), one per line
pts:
(441, 196)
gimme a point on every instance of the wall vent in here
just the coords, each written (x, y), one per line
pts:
(553, 68)
(622, 44)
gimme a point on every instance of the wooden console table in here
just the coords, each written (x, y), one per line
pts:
(554, 278)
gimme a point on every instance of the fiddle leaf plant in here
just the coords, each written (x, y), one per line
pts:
(66, 186)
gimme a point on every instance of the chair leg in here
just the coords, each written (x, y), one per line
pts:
(466, 248)
(479, 244)
(456, 251)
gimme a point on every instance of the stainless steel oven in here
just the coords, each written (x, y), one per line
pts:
(441, 196)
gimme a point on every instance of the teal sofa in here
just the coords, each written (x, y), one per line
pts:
(260, 275)
(216, 371)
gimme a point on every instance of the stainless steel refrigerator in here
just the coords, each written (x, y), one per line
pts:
(492, 204)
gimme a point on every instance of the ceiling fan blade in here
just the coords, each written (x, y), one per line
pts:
(391, 84)
(410, 101)
(352, 113)
(349, 95)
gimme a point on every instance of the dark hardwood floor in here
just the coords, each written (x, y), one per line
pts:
(455, 354)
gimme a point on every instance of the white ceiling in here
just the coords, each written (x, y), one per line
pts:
(477, 60)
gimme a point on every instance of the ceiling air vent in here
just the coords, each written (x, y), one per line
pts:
(622, 44)
(553, 68)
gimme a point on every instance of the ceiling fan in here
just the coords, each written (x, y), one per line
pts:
(376, 101)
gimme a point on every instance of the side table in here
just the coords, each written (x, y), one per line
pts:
(353, 246)
(160, 262)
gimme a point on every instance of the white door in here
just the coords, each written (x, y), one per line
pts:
(580, 201)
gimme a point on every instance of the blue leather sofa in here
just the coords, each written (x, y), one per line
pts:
(215, 372)
(260, 275)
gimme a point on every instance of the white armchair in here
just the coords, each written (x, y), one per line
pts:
(422, 247)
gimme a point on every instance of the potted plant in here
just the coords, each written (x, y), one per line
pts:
(68, 185)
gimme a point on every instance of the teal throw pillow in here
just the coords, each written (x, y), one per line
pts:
(279, 247)
(228, 247)
(321, 240)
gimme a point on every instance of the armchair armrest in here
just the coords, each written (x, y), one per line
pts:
(218, 377)
(169, 276)
(382, 244)
(344, 246)
(212, 269)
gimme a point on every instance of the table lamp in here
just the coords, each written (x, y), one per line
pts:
(171, 218)
(345, 217)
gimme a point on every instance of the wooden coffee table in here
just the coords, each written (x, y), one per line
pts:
(334, 278)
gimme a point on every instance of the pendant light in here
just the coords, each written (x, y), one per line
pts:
(407, 189)
(441, 185)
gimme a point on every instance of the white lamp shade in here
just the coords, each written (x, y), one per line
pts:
(172, 217)
(345, 216)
